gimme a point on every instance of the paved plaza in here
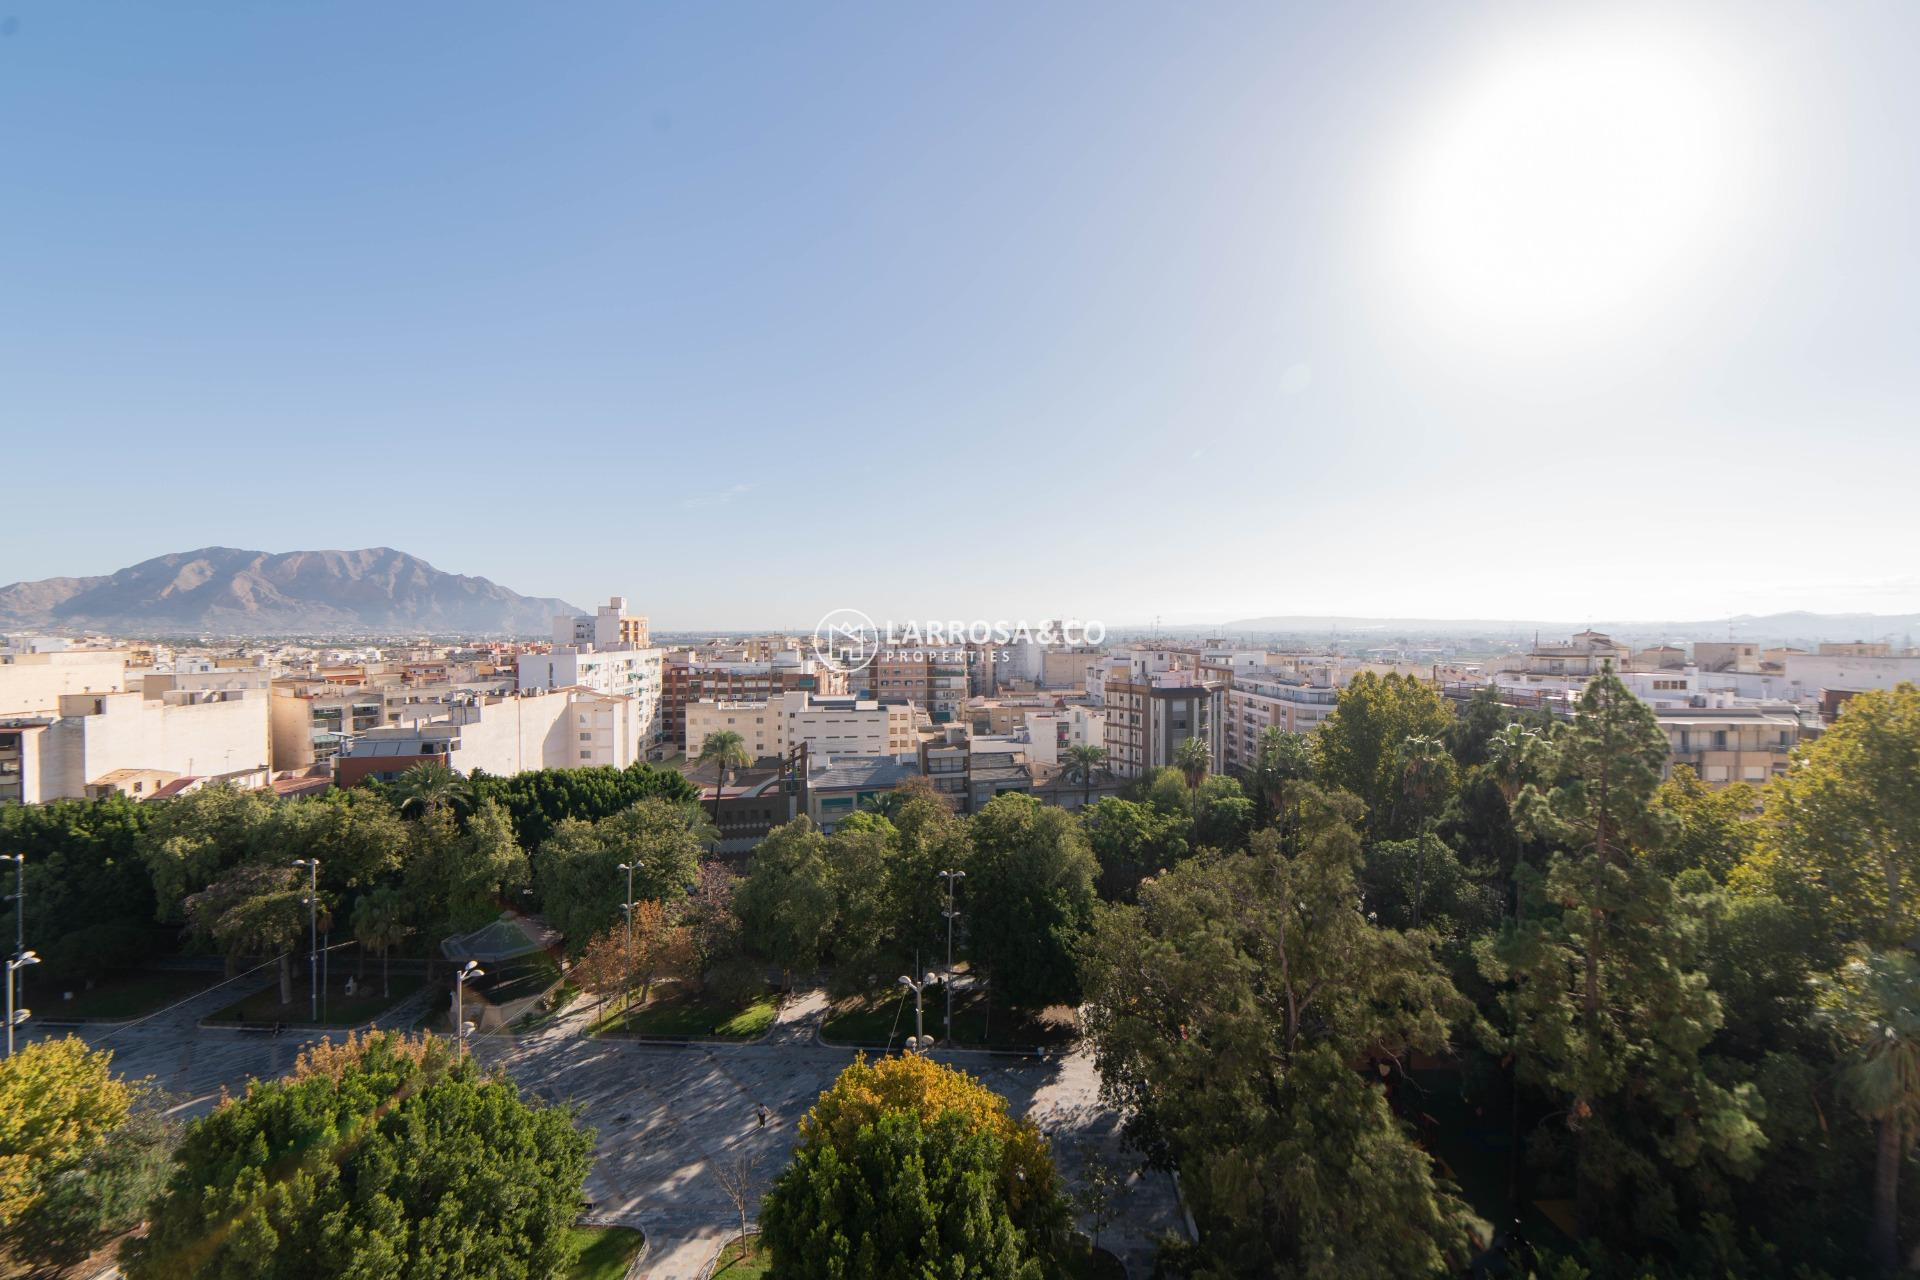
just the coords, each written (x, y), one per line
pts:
(663, 1114)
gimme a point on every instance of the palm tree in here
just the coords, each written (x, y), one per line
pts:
(1282, 758)
(1513, 752)
(427, 786)
(1877, 1013)
(380, 924)
(1083, 762)
(1193, 758)
(727, 751)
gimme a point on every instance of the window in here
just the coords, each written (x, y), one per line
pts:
(586, 737)
(586, 755)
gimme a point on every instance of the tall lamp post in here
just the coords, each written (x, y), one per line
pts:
(626, 906)
(951, 877)
(19, 900)
(312, 866)
(919, 1043)
(471, 969)
(16, 1016)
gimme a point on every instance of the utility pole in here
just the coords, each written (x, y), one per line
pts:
(19, 900)
(471, 969)
(313, 930)
(626, 905)
(919, 1043)
(951, 877)
(16, 1017)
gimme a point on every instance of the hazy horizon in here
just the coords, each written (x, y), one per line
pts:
(1434, 311)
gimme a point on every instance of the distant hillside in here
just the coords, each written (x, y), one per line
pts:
(223, 591)
(1801, 626)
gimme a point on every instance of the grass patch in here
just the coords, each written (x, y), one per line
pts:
(870, 1018)
(338, 1009)
(120, 995)
(605, 1252)
(683, 1015)
(743, 1260)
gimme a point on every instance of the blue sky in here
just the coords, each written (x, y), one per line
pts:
(747, 311)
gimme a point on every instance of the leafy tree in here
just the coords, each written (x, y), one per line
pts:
(1609, 1013)
(1360, 747)
(1842, 827)
(379, 925)
(1713, 829)
(725, 751)
(713, 928)
(654, 946)
(538, 800)
(1131, 841)
(1193, 758)
(1030, 882)
(1082, 765)
(1222, 814)
(429, 787)
(1421, 883)
(88, 886)
(98, 1195)
(867, 942)
(1874, 1007)
(59, 1101)
(909, 1168)
(196, 838)
(788, 901)
(385, 1156)
(1227, 1012)
(577, 870)
(255, 909)
(358, 837)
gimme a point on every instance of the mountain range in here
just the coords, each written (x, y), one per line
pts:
(1796, 626)
(229, 592)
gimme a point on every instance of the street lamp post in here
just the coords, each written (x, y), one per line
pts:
(19, 900)
(313, 930)
(16, 1017)
(626, 905)
(950, 877)
(919, 1042)
(471, 969)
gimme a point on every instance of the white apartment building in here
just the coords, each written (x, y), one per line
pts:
(92, 741)
(757, 723)
(608, 627)
(33, 683)
(843, 726)
(636, 673)
(1051, 732)
(563, 729)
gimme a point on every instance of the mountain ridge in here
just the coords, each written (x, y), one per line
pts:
(235, 591)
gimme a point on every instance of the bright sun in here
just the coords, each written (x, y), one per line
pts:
(1571, 182)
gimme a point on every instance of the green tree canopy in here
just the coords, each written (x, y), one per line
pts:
(1842, 826)
(577, 871)
(909, 1168)
(1609, 1011)
(382, 1157)
(1361, 747)
(1227, 1012)
(1030, 885)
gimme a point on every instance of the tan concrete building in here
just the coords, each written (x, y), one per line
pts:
(757, 723)
(1148, 717)
(1257, 703)
(1730, 744)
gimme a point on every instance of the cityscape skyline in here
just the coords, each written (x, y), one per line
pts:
(1159, 297)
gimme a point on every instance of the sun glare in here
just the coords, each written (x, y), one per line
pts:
(1570, 183)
